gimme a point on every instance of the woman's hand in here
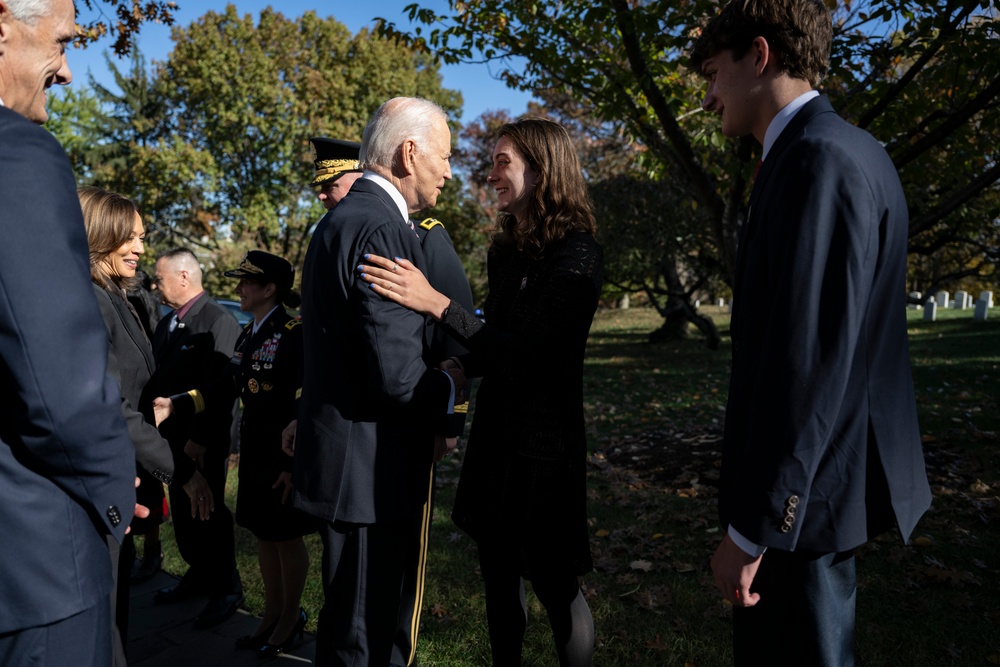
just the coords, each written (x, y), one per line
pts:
(288, 438)
(402, 282)
(285, 480)
(162, 408)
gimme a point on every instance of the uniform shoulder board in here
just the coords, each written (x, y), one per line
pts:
(431, 223)
(292, 323)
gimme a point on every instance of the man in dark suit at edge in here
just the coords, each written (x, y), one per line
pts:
(67, 466)
(193, 346)
(337, 168)
(372, 403)
(821, 450)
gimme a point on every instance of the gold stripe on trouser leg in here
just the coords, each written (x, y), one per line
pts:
(418, 598)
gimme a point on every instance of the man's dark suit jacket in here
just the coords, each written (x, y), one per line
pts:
(194, 355)
(365, 438)
(131, 364)
(821, 423)
(67, 466)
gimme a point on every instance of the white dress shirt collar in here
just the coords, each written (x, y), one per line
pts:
(257, 325)
(783, 118)
(397, 197)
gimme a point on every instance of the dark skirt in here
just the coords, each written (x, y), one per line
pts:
(258, 507)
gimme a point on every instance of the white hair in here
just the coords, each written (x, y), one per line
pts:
(396, 121)
(28, 11)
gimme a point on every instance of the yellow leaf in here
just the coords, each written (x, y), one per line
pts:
(924, 541)
(602, 533)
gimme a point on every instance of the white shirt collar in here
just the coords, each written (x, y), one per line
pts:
(783, 118)
(397, 197)
(257, 325)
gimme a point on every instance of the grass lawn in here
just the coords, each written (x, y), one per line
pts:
(654, 417)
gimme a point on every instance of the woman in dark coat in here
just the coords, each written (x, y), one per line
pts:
(115, 236)
(267, 374)
(522, 492)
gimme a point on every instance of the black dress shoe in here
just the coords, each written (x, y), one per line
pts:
(255, 642)
(147, 569)
(218, 610)
(274, 650)
(182, 591)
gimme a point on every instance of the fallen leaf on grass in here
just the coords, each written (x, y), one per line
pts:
(643, 565)
(657, 644)
(979, 488)
(924, 541)
(684, 567)
(602, 533)
(438, 611)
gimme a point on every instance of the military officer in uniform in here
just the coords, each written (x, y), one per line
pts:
(266, 372)
(336, 169)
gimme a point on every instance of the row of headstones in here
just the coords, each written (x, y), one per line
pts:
(962, 301)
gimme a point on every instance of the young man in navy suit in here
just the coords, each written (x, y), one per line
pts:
(821, 449)
(67, 465)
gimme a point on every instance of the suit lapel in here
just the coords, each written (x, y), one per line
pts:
(135, 332)
(770, 168)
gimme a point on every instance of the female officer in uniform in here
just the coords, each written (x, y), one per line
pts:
(266, 371)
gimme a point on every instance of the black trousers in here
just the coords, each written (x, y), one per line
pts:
(411, 599)
(805, 615)
(208, 547)
(82, 640)
(121, 564)
(362, 578)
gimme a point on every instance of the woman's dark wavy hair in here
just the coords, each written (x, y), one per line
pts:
(799, 31)
(559, 202)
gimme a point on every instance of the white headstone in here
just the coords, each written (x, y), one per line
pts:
(697, 304)
(982, 308)
(987, 296)
(942, 299)
(960, 297)
(915, 306)
(930, 310)
(721, 303)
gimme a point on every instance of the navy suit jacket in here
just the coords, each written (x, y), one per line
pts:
(821, 423)
(370, 397)
(67, 466)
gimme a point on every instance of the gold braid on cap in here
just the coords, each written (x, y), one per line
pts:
(249, 267)
(327, 168)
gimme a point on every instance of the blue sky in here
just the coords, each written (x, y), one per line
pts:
(480, 90)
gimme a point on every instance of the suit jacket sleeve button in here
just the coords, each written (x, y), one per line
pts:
(114, 516)
(785, 528)
(793, 500)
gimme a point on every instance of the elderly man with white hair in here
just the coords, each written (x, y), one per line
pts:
(67, 466)
(372, 399)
